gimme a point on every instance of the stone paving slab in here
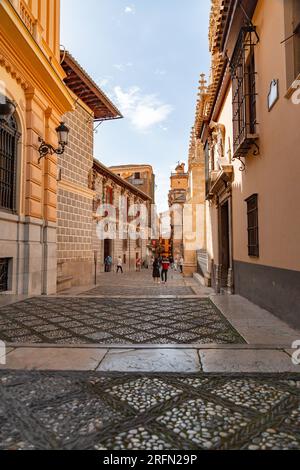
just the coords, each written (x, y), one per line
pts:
(53, 359)
(151, 359)
(155, 360)
(246, 361)
(256, 325)
(104, 411)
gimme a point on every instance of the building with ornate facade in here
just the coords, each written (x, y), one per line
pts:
(75, 254)
(33, 99)
(84, 184)
(247, 120)
(177, 200)
(194, 235)
(141, 176)
(128, 202)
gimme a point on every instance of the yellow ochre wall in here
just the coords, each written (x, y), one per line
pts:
(31, 76)
(275, 173)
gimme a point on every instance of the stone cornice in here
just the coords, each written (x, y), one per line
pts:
(23, 53)
(74, 188)
(13, 71)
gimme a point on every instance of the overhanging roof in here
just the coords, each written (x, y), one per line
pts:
(86, 89)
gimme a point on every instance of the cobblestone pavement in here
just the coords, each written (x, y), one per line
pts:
(69, 320)
(133, 284)
(41, 410)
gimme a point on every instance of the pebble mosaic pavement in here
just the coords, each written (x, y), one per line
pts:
(60, 410)
(78, 320)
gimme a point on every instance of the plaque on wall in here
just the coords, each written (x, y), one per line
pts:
(273, 95)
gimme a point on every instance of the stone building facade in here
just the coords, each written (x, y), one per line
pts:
(75, 255)
(177, 200)
(141, 176)
(109, 188)
(31, 84)
(247, 119)
(194, 235)
(75, 200)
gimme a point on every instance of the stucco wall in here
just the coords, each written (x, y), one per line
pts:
(275, 173)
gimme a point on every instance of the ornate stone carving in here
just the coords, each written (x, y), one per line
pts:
(92, 176)
(218, 142)
(13, 71)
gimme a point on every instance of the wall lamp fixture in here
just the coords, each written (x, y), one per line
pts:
(47, 149)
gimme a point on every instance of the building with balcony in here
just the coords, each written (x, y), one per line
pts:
(247, 120)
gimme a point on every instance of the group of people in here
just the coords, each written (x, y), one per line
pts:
(108, 264)
(161, 266)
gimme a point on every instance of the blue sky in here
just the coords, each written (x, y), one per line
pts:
(147, 56)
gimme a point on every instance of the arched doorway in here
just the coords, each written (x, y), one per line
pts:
(107, 250)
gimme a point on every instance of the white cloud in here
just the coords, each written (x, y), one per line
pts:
(144, 111)
(122, 67)
(119, 67)
(130, 9)
(160, 72)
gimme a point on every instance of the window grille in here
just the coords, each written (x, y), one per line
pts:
(243, 76)
(9, 137)
(4, 265)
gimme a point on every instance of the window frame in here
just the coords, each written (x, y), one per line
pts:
(9, 139)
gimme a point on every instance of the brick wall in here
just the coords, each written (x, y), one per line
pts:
(77, 160)
(74, 224)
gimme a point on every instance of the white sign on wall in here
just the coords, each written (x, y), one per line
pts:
(273, 95)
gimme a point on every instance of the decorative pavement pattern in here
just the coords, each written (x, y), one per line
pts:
(43, 410)
(73, 320)
(130, 291)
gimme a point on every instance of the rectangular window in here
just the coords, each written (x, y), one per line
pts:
(243, 75)
(4, 266)
(137, 176)
(252, 215)
(109, 196)
(292, 39)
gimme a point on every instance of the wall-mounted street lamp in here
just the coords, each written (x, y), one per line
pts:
(7, 109)
(63, 136)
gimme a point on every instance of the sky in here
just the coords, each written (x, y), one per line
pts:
(147, 56)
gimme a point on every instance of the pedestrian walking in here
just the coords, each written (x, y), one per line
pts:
(165, 265)
(156, 271)
(138, 264)
(181, 263)
(120, 265)
(108, 263)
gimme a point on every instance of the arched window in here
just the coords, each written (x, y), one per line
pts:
(9, 137)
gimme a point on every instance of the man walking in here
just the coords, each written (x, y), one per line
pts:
(108, 263)
(181, 263)
(120, 265)
(165, 268)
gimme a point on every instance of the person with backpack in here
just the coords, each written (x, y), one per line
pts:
(108, 263)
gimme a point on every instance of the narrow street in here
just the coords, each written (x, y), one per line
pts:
(132, 365)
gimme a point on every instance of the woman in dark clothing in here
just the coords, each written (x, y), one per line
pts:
(156, 270)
